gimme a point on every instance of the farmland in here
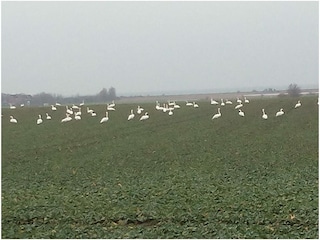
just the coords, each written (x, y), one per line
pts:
(179, 176)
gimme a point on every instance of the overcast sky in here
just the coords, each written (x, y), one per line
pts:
(73, 48)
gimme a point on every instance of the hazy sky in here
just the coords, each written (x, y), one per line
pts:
(73, 48)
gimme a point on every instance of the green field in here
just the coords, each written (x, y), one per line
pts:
(180, 176)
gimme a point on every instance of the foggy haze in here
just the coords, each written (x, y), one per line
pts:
(73, 48)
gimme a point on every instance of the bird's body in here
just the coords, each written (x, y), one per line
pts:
(93, 114)
(280, 113)
(78, 113)
(105, 118)
(74, 107)
(238, 106)
(158, 105)
(228, 102)
(89, 110)
(66, 119)
(298, 104)
(77, 117)
(170, 112)
(53, 108)
(48, 116)
(217, 115)
(68, 110)
(164, 108)
(171, 103)
(264, 115)
(110, 107)
(13, 120)
(222, 102)
(195, 105)
(112, 104)
(144, 117)
(176, 106)
(131, 115)
(139, 110)
(39, 120)
(241, 113)
(189, 103)
(246, 100)
(213, 102)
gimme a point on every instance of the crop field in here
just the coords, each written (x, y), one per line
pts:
(179, 176)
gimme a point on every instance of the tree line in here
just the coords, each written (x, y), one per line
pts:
(41, 99)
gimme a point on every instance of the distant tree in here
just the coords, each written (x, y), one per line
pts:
(112, 93)
(41, 98)
(103, 95)
(294, 90)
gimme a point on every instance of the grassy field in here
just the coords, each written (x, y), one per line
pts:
(180, 176)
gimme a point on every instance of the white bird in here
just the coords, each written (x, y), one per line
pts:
(264, 115)
(280, 113)
(160, 108)
(89, 110)
(170, 112)
(81, 104)
(217, 115)
(241, 113)
(112, 104)
(239, 100)
(139, 110)
(105, 118)
(246, 100)
(48, 116)
(298, 104)
(77, 117)
(74, 107)
(39, 120)
(53, 108)
(171, 103)
(12, 106)
(93, 114)
(158, 105)
(78, 113)
(222, 103)
(195, 105)
(110, 107)
(213, 102)
(13, 120)
(176, 106)
(69, 111)
(144, 117)
(21, 105)
(165, 108)
(189, 103)
(131, 115)
(238, 106)
(228, 102)
(58, 104)
(67, 118)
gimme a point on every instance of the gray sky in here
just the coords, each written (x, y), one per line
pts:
(73, 48)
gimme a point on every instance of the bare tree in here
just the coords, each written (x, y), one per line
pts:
(294, 90)
(112, 93)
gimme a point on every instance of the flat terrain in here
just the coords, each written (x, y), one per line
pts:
(179, 176)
